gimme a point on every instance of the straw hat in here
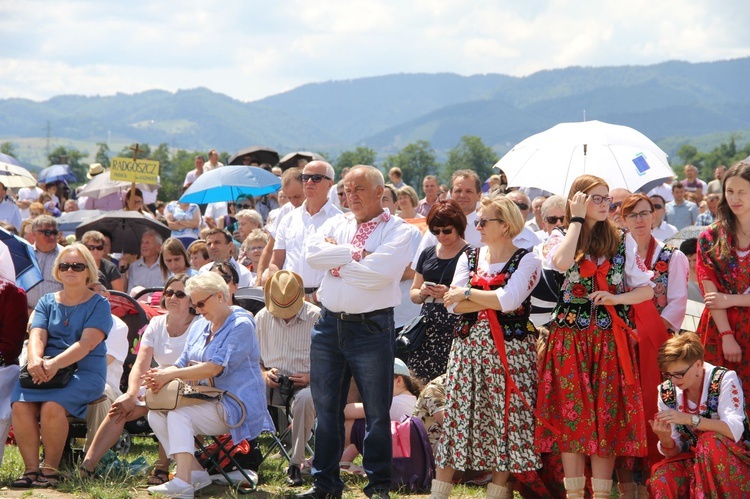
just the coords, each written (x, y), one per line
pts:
(284, 294)
(94, 170)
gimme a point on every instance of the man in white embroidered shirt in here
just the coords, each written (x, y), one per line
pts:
(363, 253)
(294, 230)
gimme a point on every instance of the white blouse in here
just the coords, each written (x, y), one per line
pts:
(731, 408)
(519, 286)
(677, 290)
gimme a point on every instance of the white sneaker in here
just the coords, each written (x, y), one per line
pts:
(174, 488)
(237, 477)
(200, 479)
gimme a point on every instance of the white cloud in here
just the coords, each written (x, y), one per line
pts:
(250, 49)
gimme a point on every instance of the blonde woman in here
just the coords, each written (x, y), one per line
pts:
(407, 203)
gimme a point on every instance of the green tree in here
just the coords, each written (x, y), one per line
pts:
(471, 154)
(173, 175)
(102, 154)
(144, 151)
(359, 156)
(415, 160)
(687, 154)
(8, 148)
(72, 157)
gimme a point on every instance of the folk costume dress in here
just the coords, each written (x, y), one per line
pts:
(589, 389)
(730, 273)
(710, 464)
(491, 386)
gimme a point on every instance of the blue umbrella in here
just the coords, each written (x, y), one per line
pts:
(230, 182)
(55, 173)
(28, 273)
(69, 221)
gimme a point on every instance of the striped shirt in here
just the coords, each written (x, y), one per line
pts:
(286, 345)
(49, 284)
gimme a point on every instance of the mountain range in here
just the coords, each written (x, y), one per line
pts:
(672, 102)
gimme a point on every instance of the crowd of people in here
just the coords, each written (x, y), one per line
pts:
(555, 361)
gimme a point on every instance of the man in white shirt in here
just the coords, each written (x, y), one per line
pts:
(661, 230)
(192, 175)
(291, 184)
(145, 272)
(363, 254)
(526, 239)
(26, 196)
(9, 212)
(295, 229)
(219, 245)
(213, 161)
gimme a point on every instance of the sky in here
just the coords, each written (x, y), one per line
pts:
(249, 49)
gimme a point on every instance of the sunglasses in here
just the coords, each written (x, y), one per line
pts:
(171, 292)
(444, 230)
(613, 206)
(658, 206)
(95, 248)
(315, 177)
(244, 206)
(202, 303)
(597, 199)
(479, 223)
(641, 214)
(522, 206)
(678, 374)
(48, 232)
(554, 220)
(77, 267)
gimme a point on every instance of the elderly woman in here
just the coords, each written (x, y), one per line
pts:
(174, 260)
(247, 221)
(198, 254)
(221, 345)
(701, 424)
(184, 219)
(13, 326)
(544, 295)
(69, 327)
(491, 377)
(162, 342)
(407, 203)
(96, 244)
(252, 249)
(432, 278)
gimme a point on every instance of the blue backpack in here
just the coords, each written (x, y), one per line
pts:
(414, 473)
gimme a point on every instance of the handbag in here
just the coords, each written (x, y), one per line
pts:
(411, 335)
(59, 380)
(178, 393)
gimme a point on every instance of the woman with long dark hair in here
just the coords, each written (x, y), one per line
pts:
(588, 387)
(724, 275)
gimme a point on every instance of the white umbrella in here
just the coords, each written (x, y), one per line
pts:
(101, 185)
(15, 176)
(553, 159)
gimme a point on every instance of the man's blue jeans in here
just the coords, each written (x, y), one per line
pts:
(341, 350)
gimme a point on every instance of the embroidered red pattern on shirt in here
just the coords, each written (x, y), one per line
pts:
(360, 238)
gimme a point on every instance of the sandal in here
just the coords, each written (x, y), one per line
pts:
(158, 477)
(46, 480)
(25, 480)
(85, 473)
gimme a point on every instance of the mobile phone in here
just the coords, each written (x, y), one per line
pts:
(430, 284)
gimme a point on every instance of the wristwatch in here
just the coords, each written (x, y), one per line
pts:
(695, 420)
(467, 293)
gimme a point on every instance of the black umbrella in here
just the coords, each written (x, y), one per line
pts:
(262, 154)
(124, 228)
(291, 159)
(69, 221)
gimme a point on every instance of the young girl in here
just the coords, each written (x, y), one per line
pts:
(588, 387)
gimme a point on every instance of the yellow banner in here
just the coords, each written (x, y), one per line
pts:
(143, 171)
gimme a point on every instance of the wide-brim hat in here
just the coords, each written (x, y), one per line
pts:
(94, 170)
(285, 294)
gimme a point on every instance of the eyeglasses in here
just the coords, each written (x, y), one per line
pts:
(522, 206)
(202, 303)
(678, 374)
(658, 206)
(48, 232)
(95, 248)
(597, 199)
(256, 248)
(479, 223)
(613, 206)
(641, 214)
(244, 206)
(315, 177)
(77, 267)
(171, 292)
(444, 230)
(554, 220)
